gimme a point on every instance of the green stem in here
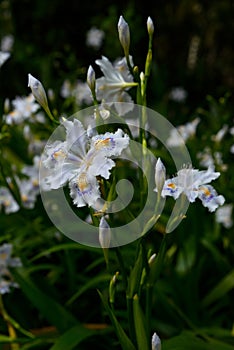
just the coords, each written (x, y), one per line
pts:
(12, 324)
(50, 115)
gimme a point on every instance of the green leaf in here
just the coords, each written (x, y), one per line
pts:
(189, 340)
(135, 275)
(72, 338)
(36, 343)
(222, 288)
(91, 283)
(55, 313)
(139, 321)
(122, 336)
(65, 246)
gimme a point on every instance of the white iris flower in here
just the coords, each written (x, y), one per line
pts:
(113, 85)
(194, 184)
(7, 201)
(24, 107)
(80, 159)
(223, 215)
(6, 261)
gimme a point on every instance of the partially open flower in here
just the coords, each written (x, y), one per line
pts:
(113, 85)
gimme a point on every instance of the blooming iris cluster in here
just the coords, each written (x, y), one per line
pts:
(80, 159)
(194, 184)
(6, 279)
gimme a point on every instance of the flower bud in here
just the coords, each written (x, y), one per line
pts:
(104, 233)
(150, 26)
(142, 79)
(38, 91)
(156, 342)
(152, 259)
(112, 287)
(91, 80)
(124, 35)
(6, 107)
(160, 175)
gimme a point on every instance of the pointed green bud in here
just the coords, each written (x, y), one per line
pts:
(124, 35)
(152, 259)
(135, 70)
(112, 287)
(38, 91)
(142, 79)
(150, 26)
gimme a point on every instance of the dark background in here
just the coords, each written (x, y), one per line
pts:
(50, 43)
